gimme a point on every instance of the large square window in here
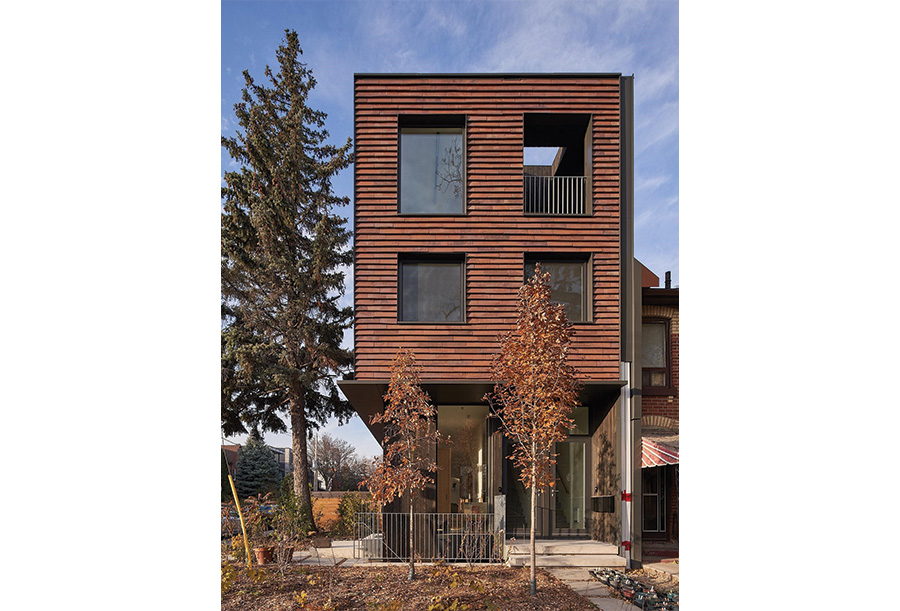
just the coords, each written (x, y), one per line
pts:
(655, 354)
(431, 291)
(568, 281)
(432, 170)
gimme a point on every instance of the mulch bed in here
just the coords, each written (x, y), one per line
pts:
(386, 588)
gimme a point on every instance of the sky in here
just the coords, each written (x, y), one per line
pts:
(340, 38)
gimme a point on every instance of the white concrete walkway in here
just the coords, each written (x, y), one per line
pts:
(565, 553)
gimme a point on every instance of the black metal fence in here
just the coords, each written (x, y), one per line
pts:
(450, 537)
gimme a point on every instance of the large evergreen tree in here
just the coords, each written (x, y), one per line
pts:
(283, 252)
(256, 471)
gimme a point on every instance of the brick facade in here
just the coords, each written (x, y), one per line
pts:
(664, 405)
(662, 410)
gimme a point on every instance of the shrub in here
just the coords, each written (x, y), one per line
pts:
(288, 500)
(350, 504)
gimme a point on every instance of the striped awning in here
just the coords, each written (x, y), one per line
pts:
(659, 448)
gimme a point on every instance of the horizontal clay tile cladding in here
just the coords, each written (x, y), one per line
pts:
(494, 234)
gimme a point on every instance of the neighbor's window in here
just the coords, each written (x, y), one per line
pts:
(432, 170)
(655, 353)
(568, 280)
(653, 481)
(431, 291)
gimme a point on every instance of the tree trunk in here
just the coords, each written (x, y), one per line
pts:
(301, 462)
(412, 566)
(533, 524)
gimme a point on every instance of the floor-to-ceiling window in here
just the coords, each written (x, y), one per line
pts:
(560, 510)
(463, 474)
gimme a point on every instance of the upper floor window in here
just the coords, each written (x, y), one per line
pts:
(432, 290)
(432, 168)
(655, 354)
(568, 283)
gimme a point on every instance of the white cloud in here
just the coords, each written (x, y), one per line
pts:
(439, 17)
(654, 124)
(656, 80)
(652, 182)
(552, 37)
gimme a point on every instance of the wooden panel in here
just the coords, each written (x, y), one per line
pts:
(606, 476)
(494, 234)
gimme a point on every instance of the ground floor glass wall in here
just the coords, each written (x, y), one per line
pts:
(560, 511)
(463, 474)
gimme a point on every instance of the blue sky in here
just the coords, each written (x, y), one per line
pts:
(340, 38)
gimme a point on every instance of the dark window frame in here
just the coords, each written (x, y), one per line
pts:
(662, 502)
(668, 388)
(585, 260)
(421, 122)
(418, 258)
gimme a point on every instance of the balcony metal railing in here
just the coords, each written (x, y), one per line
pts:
(451, 537)
(555, 195)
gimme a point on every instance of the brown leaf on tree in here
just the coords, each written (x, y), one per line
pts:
(409, 433)
(536, 388)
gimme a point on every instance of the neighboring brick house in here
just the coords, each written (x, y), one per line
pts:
(231, 456)
(659, 420)
(449, 223)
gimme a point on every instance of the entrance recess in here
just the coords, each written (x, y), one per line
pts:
(569, 489)
(560, 510)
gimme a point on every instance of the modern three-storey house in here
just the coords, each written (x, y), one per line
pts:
(449, 222)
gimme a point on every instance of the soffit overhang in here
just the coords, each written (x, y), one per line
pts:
(367, 396)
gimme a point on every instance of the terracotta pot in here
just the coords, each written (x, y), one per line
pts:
(264, 555)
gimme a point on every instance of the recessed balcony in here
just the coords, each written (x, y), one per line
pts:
(557, 164)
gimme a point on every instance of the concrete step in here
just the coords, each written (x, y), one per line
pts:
(561, 547)
(591, 561)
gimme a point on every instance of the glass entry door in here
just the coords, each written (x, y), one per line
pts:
(569, 491)
(561, 509)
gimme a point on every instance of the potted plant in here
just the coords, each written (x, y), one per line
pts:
(258, 509)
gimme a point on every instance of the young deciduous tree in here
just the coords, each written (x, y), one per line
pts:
(283, 255)
(256, 471)
(535, 388)
(409, 432)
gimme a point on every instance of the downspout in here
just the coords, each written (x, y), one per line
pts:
(627, 467)
(627, 309)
